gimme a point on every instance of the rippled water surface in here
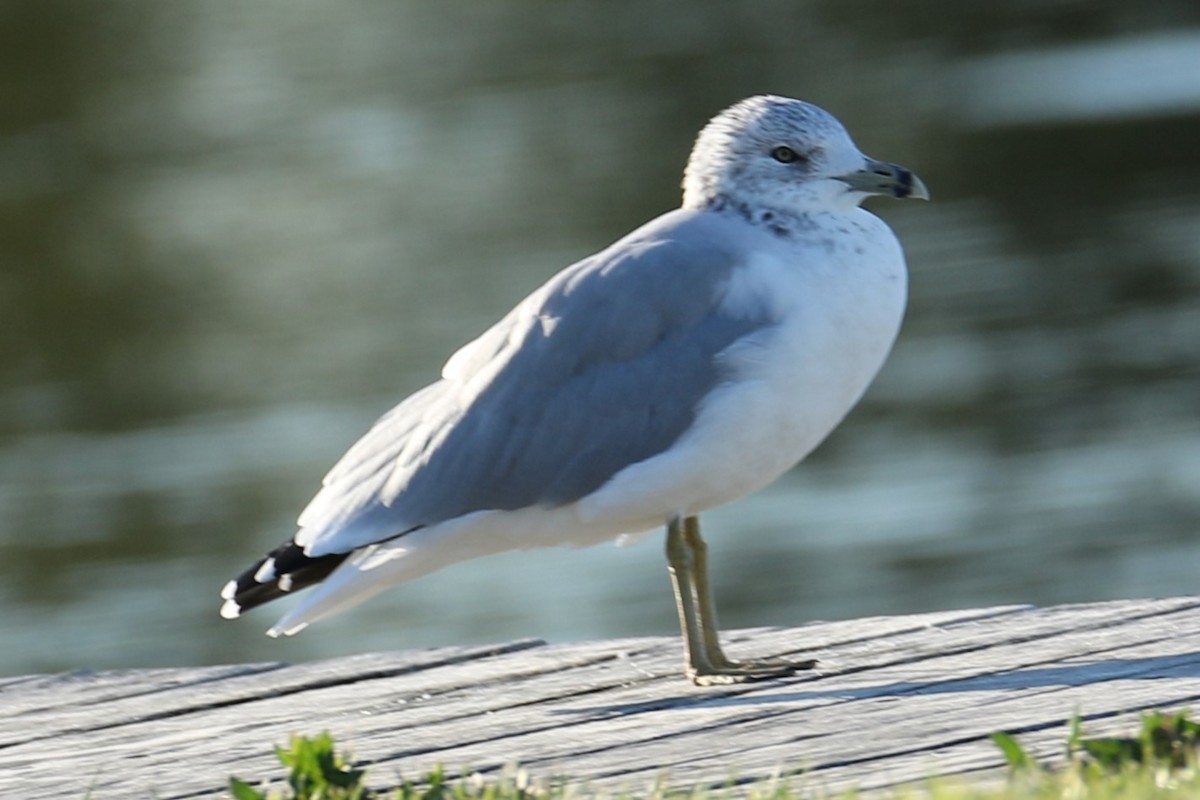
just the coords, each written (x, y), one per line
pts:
(232, 235)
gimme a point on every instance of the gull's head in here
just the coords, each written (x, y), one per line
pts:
(775, 152)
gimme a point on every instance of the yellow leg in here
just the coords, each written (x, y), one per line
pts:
(705, 663)
(681, 567)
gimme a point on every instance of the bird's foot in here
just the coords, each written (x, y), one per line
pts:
(726, 672)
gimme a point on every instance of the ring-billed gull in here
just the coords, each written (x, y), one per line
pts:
(689, 364)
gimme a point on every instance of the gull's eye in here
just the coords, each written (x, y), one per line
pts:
(785, 155)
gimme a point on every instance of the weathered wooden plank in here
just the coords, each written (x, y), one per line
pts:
(980, 687)
(88, 702)
(894, 698)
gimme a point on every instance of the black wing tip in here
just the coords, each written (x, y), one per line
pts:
(284, 570)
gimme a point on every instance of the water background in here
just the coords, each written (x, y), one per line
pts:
(231, 235)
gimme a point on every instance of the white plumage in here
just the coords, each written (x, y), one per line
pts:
(687, 365)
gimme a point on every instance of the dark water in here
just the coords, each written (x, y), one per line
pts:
(233, 234)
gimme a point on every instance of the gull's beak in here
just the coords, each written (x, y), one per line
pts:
(880, 177)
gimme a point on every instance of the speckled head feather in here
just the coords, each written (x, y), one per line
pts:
(733, 155)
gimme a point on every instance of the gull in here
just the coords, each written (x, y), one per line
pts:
(687, 365)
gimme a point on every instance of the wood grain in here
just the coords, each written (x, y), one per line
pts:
(894, 699)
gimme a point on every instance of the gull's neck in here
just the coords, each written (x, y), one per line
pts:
(782, 220)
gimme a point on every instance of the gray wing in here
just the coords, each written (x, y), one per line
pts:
(601, 368)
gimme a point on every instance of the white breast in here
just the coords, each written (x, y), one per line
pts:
(839, 296)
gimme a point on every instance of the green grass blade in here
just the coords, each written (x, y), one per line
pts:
(1014, 754)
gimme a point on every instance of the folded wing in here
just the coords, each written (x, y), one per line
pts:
(601, 368)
